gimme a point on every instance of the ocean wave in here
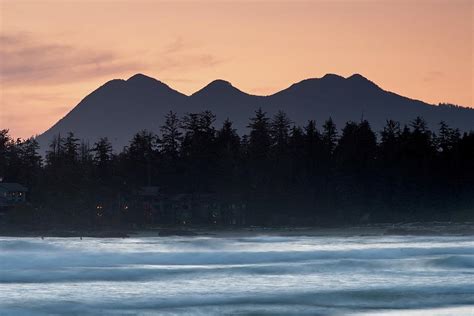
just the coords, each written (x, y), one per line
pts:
(284, 302)
(454, 262)
(233, 275)
(12, 245)
(74, 258)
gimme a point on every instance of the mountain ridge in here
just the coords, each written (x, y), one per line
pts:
(119, 108)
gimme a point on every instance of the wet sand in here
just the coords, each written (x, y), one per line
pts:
(403, 229)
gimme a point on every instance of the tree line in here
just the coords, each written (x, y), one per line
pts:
(285, 174)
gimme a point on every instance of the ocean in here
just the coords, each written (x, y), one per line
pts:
(258, 275)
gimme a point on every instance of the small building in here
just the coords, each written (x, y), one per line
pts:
(145, 204)
(149, 191)
(12, 193)
(151, 205)
(204, 208)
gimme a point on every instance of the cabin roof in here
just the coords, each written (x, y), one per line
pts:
(12, 187)
(149, 191)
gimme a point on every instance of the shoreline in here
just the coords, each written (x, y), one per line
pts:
(398, 229)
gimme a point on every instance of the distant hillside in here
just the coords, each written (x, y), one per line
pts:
(120, 108)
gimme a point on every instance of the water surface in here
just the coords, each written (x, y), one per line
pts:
(271, 275)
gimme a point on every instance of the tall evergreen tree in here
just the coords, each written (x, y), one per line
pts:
(56, 151)
(6, 146)
(228, 158)
(30, 160)
(102, 156)
(298, 154)
(140, 155)
(259, 138)
(71, 149)
(280, 131)
(199, 164)
(419, 145)
(390, 142)
(329, 136)
(447, 138)
(357, 146)
(228, 141)
(171, 136)
(312, 147)
(199, 132)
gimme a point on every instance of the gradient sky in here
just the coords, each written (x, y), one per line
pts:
(53, 53)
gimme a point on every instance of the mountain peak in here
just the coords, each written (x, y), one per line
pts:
(219, 87)
(360, 80)
(140, 81)
(332, 76)
(140, 77)
(219, 83)
(357, 76)
(113, 83)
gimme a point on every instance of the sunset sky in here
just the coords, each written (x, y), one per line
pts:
(53, 53)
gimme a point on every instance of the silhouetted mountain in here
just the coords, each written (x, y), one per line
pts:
(219, 89)
(226, 101)
(120, 108)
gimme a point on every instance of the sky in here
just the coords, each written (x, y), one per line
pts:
(54, 53)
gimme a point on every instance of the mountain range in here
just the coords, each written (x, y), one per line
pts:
(120, 108)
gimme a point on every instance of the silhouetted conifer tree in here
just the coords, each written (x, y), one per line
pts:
(171, 136)
(199, 164)
(71, 149)
(259, 138)
(141, 154)
(30, 161)
(329, 136)
(280, 131)
(102, 157)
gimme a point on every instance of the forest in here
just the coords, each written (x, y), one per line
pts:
(277, 173)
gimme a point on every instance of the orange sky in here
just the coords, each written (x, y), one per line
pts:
(53, 53)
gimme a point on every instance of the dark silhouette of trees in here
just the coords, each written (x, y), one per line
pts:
(390, 145)
(419, 144)
(355, 158)
(229, 161)
(299, 158)
(357, 147)
(228, 142)
(139, 158)
(19, 159)
(283, 174)
(71, 149)
(30, 161)
(313, 147)
(279, 150)
(198, 150)
(329, 136)
(171, 136)
(259, 137)
(258, 152)
(102, 157)
(280, 132)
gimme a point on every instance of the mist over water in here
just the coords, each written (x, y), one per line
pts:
(238, 276)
